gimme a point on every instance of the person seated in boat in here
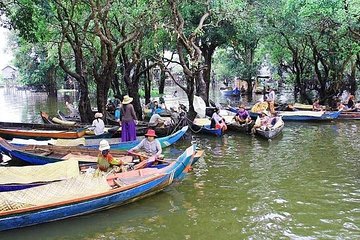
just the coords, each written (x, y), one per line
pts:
(149, 145)
(110, 107)
(105, 161)
(157, 121)
(350, 103)
(316, 106)
(217, 121)
(117, 113)
(73, 111)
(98, 125)
(242, 116)
(264, 121)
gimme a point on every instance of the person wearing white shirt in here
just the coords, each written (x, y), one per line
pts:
(98, 125)
(217, 120)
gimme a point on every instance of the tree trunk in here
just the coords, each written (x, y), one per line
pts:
(207, 52)
(115, 85)
(101, 100)
(133, 91)
(86, 113)
(191, 114)
(352, 79)
(201, 88)
(50, 76)
(147, 86)
(162, 82)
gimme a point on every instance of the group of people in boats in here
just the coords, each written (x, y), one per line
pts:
(125, 115)
(266, 119)
(148, 147)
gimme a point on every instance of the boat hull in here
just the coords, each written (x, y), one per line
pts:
(54, 211)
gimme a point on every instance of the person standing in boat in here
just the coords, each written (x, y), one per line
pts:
(128, 120)
(271, 100)
(242, 116)
(217, 121)
(105, 160)
(98, 125)
(149, 145)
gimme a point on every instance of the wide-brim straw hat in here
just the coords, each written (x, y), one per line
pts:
(98, 115)
(104, 145)
(150, 133)
(127, 99)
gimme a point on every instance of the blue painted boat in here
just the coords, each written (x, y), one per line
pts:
(44, 154)
(84, 195)
(230, 92)
(308, 115)
(164, 141)
(206, 129)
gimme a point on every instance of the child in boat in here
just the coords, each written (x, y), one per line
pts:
(105, 160)
(217, 121)
(149, 145)
(263, 122)
(242, 116)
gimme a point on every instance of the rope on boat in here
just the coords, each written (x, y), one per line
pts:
(190, 124)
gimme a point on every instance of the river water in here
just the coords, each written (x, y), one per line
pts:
(304, 184)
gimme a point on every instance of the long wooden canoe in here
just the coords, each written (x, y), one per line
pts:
(44, 154)
(10, 130)
(308, 115)
(94, 143)
(84, 195)
(349, 115)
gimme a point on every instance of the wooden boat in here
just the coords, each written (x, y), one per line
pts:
(308, 115)
(10, 130)
(303, 106)
(110, 130)
(237, 127)
(17, 178)
(94, 143)
(230, 92)
(202, 125)
(65, 117)
(84, 195)
(55, 120)
(272, 132)
(349, 115)
(44, 154)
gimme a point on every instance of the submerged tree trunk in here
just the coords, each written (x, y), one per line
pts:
(147, 86)
(51, 77)
(84, 102)
(352, 79)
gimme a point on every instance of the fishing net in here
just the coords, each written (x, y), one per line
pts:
(42, 173)
(81, 186)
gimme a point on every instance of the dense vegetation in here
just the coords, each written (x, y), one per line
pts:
(116, 44)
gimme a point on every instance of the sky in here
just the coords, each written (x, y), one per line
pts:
(5, 54)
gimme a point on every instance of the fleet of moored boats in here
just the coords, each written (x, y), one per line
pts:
(62, 154)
